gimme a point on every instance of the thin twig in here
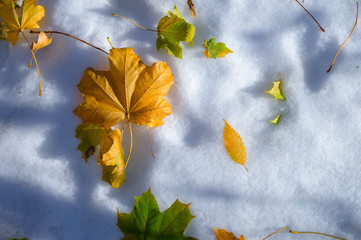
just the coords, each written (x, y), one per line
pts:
(323, 234)
(131, 144)
(36, 62)
(57, 32)
(323, 30)
(285, 228)
(151, 147)
(110, 42)
(152, 30)
(245, 167)
(334, 59)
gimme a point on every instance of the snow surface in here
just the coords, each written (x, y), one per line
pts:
(305, 173)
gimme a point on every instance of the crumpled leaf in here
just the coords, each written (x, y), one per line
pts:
(171, 30)
(214, 49)
(191, 8)
(43, 41)
(276, 91)
(89, 135)
(130, 90)
(21, 18)
(111, 157)
(147, 222)
(234, 145)
(276, 120)
(224, 235)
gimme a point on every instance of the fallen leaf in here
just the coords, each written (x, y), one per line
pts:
(130, 90)
(224, 235)
(214, 49)
(191, 8)
(111, 157)
(172, 29)
(147, 222)
(276, 91)
(43, 41)
(21, 18)
(276, 120)
(89, 135)
(234, 145)
(18, 238)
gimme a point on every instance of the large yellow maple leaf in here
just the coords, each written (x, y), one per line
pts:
(129, 90)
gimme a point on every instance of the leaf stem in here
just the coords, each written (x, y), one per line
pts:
(334, 59)
(131, 144)
(151, 147)
(285, 228)
(36, 62)
(110, 42)
(245, 167)
(152, 30)
(323, 30)
(57, 32)
(323, 234)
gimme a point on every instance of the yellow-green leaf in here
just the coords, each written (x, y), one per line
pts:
(234, 145)
(224, 235)
(172, 29)
(89, 135)
(214, 49)
(43, 41)
(111, 157)
(276, 91)
(276, 120)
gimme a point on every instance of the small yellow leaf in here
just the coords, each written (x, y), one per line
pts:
(43, 41)
(224, 235)
(111, 157)
(234, 145)
(191, 8)
(276, 91)
(276, 120)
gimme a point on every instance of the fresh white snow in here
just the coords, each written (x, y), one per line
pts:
(305, 173)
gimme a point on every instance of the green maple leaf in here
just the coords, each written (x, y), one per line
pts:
(276, 120)
(172, 29)
(146, 222)
(89, 135)
(214, 49)
(276, 91)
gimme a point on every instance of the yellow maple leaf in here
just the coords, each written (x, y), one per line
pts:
(234, 145)
(111, 157)
(129, 90)
(224, 235)
(21, 18)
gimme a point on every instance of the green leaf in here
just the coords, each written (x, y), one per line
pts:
(276, 120)
(214, 49)
(146, 222)
(172, 29)
(89, 135)
(276, 91)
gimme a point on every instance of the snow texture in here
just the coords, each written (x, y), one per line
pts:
(305, 173)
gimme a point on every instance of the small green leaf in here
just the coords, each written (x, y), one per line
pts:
(276, 120)
(147, 222)
(276, 91)
(172, 29)
(89, 135)
(214, 49)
